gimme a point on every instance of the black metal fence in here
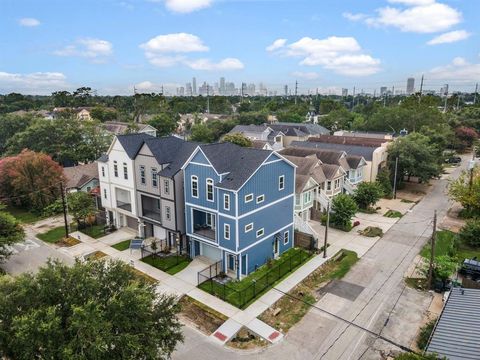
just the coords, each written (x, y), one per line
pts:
(210, 272)
(239, 295)
(163, 256)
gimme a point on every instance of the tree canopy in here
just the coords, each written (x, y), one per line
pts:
(238, 139)
(10, 233)
(93, 310)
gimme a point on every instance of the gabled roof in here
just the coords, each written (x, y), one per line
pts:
(325, 156)
(132, 143)
(239, 162)
(119, 128)
(307, 168)
(103, 158)
(79, 175)
(299, 129)
(365, 151)
(331, 171)
(457, 333)
(249, 128)
(355, 161)
(259, 144)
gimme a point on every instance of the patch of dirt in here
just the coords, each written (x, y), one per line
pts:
(247, 340)
(452, 221)
(67, 242)
(200, 316)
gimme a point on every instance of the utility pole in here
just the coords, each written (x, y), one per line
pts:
(421, 89)
(395, 179)
(432, 250)
(471, 167)
(353, 100)
(296, 91)
(446, 98)
(475, 95)
(327, 224)
(64, 205)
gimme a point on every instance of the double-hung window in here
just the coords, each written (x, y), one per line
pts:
(226, 231)
(168, 213)
(194, 186)
(154, 178)
(103, 171)
(115, 168)
(143, 179)
(285, 237)
(166, 186)
(281, 182)
(226, 201)
(209, 189)
(125, 171)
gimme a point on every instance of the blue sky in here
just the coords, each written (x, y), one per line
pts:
(112, 45)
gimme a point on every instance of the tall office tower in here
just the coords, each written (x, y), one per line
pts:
(383, 90)
(230, 88)
(194, 87)
(222, 86)
(444, 90)
(181, 91)
(410, 86)
(344, 92)
(188, 89)
(285, 90)
(251, 89)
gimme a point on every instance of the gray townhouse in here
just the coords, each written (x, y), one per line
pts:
(159, 189)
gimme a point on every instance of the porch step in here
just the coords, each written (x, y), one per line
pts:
(226, 331)
(264, 330)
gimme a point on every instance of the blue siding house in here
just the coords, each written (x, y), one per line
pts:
(238, 205)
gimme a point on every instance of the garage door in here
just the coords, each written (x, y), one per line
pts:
(211, 252)
(132, 223)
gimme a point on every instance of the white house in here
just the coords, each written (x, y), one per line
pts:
(116, 171)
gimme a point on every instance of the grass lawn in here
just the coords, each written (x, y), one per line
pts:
(121, 246)
(393, 214)
(444, 245)
(242, 293)
(170, 264)
(23, 215)
(291, 308)
(53, 236)
(95, 231)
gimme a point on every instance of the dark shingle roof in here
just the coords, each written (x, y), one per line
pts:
(330, 170)
(133, 142)
(349, 140)
(354, 161)
(457, 333)
(306, 168)
(103, 158)
(299, 129)
(239, 162)
(365, 151)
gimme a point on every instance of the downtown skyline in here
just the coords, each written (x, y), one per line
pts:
(150, 45)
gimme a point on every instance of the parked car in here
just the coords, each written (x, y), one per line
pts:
(471, 268)
(453, 160)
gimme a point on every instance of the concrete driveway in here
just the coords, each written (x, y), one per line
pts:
(190, 273)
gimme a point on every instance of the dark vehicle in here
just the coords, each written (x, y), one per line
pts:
(441, 286)
(453, 160)
(471, 268)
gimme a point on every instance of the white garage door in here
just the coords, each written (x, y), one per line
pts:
(211, 252)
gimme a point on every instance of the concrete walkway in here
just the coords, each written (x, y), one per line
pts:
(185, 283)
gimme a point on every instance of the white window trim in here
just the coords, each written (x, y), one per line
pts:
(193, 179)
(260, 199)
(208, 182)
(248, 196)
(281, 182)
(153, 172)
(248, 227)
(286, 235)
(225, 227)
(115, 168)
(226, 200)
(260, 232)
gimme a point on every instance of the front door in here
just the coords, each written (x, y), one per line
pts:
(196, 249)
(231, 262)
(276, 247)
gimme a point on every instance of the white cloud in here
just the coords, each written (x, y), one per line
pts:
(420, 16)
(172, 49)
(305, 75)
(94, 49)
(34, 83)
(225, 64)
(277, 44)
(450, 37)
(354, 17)
(28, 22)
(458, 70)
(176, 43)
(187, 6)
(342, 55)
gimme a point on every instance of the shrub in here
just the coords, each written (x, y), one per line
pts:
(385, 181)
(367, 194)
(393, 214)
(424, 335)
(343, 209)
(470, 233)
(372, 231)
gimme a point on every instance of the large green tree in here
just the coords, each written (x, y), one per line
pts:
(10, 125)
(367, 194)
(416, 157)
(164, 123)
(466, 190)
(10, 233)
(238, 139)
(93, 310)
(80, 205)
(343, 209)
